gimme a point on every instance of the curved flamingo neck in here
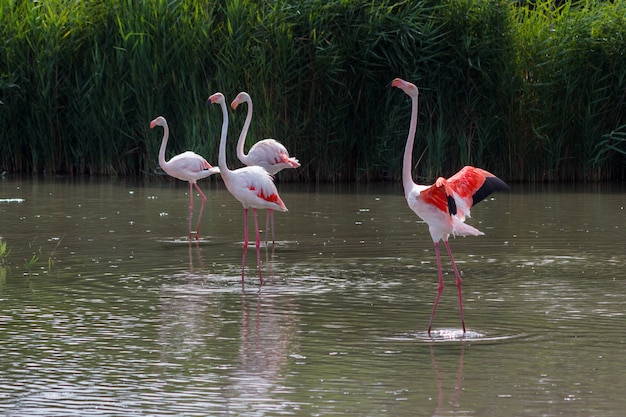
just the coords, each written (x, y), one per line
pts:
(166, 135)
(222, 151)
(407, 178)
(244, 131)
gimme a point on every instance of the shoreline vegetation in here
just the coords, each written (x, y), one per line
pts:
(531, 91)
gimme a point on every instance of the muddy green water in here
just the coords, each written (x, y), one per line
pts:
(107, 310)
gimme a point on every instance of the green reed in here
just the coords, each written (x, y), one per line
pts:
(4, 252)
(574, 84)
(530, 94)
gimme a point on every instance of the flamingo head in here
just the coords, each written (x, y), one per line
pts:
(159, 121)
(241, 97)
(409, 88)
(216, 98)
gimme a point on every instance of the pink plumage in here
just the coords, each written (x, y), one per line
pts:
(187, 166)
(253, 186)
(446, 204)
(269, 154)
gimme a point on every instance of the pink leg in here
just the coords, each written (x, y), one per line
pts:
(190, 207)
(271, 211)
(458, 284)
(258, 245)
(439, 288)
(269, 224)
(245, 242)
(201, 211)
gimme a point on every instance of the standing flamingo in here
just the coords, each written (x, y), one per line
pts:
(445, 204)
(269, 154)
(253, 186)
(187, 166)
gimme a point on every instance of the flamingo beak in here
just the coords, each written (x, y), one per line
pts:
(395, 83)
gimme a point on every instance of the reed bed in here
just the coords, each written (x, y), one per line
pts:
(532, 93)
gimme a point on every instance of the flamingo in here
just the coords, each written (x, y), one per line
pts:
(446, 204)
(269, 154)
(187, 166)
(253, 186)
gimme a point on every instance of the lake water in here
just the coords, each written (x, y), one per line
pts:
(108, 310)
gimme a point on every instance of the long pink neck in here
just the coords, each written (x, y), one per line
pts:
(244, 131)
(222, 151)
(407, 178)
(166, 135)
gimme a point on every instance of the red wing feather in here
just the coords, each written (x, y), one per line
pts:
(470, 184)
(435, 195)
(475, 183)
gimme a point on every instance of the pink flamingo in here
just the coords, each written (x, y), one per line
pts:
(446, 204)
(269, 154)
(253, 186)
(187, 166)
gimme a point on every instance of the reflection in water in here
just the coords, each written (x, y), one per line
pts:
(269, 273)
(129, 320)
(258, 381)
(186, 310)
(448, 398)
(197, 325)
(188, 316)
(197, 250)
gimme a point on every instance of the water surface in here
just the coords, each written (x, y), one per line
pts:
(107, 309)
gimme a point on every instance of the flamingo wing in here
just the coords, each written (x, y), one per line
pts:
(190, 162)
(271, 155)
(188, 166)
(462, 191)
(436, 196)
(283, 157)
(254, 187)
(475, 184)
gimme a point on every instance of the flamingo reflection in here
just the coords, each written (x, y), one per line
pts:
(198, 256)
(267, 332)
(448, 400)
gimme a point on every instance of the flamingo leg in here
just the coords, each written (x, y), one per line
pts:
(458, 283)
(190, 207)
(258, 245)
(271, 211)
(439, 287)
(201, 210)
(269, 224)
(245, 242)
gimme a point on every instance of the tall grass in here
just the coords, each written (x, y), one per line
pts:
(529, 93)
(574, 86)
(82, 80)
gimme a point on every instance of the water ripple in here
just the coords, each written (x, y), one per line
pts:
(452, 335)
